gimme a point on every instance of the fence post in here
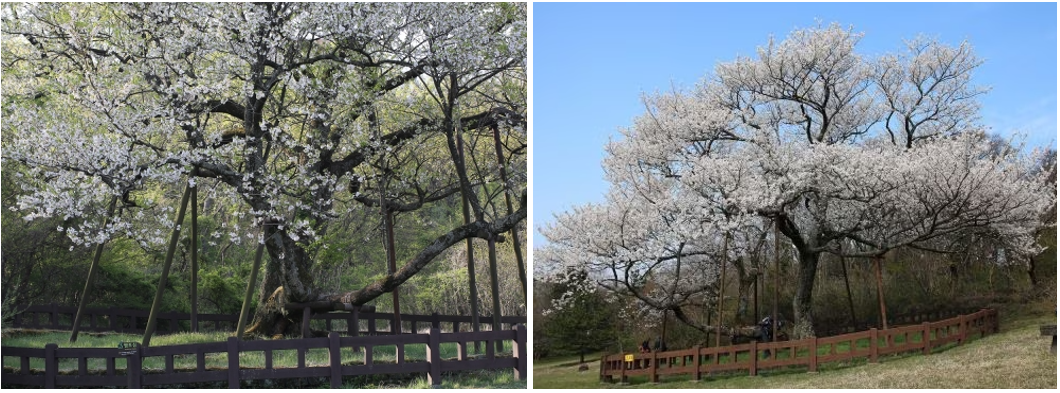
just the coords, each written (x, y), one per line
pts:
(754, 358)
(602, 360)
(352, 325)
(926, 340)
(371, 326)
(519, 349)
(697, 375)
(961, 329)
(874, 345)
(813, 355)
(436, 322)
(134, 368)
(434, 358)
(336, 362)
(51, 365)
(654, 365)
(233, 363)
(623, 379)
(993, 321)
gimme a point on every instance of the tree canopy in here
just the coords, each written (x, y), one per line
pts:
(292, 112)
(825, 144)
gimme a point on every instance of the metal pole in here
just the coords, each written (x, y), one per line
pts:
(152, 319)
(508, 204)
(92, 270)
(242, 323)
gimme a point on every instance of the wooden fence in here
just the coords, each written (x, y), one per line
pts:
(810, 352)
(134, 321)
(134, 375)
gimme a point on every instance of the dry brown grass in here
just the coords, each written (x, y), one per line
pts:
(1017, 357)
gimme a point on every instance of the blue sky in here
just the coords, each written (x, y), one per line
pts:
(592, 61)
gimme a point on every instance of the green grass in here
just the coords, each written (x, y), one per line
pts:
(255, 359)
(479, 379)
(1017, 357)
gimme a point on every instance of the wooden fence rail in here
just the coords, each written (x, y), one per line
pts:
(133, 321)
(810, 352)
(134, 375)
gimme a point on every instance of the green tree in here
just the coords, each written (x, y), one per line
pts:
(581, 319)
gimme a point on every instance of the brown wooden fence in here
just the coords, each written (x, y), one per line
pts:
(353, 323)
(810, 352)
(134, 375)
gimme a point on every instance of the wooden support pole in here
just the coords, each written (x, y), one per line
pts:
(879, 292)
(195, 259)
(242, 323)
(152, 319)
(391, 256)
(472, 286)
(850, 298)
(495, 287)
(92, 271)
(776, 277)
(721, 290)
(508, 204)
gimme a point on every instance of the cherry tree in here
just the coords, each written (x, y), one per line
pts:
(824, 143)
(293, 111)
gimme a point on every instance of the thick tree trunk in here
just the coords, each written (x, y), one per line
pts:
(289, 279)
(802, 304)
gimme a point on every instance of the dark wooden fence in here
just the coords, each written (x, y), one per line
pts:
(134, 375)
(134, 321)
(810, 352)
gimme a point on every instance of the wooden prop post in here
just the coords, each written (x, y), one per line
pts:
(508, 204)
(391, 256)
(776, 277)
(92, 271)
(879, 292)
(195, 260)
(242, 323)
(495, 286)
(152, 319)
(850, 297)
(721, 289)
(472, 286)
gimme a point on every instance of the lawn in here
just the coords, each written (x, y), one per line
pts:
(1017, 357)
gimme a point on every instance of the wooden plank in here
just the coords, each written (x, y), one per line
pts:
(22, 379)
(185, 377)
(407, 368)
(88, 380)
(478, 364)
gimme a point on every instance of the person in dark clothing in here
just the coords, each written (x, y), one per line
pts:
(660, 345)
(644, 347)
(765, 327)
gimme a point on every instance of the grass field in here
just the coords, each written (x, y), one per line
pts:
(1017, 357)
(492, 379)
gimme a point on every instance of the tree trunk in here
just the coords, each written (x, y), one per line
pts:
(289, 278)
(803, 301)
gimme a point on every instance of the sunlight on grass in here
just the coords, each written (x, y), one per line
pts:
(1018, 357)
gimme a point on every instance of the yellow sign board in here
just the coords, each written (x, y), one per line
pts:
(629, 357)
